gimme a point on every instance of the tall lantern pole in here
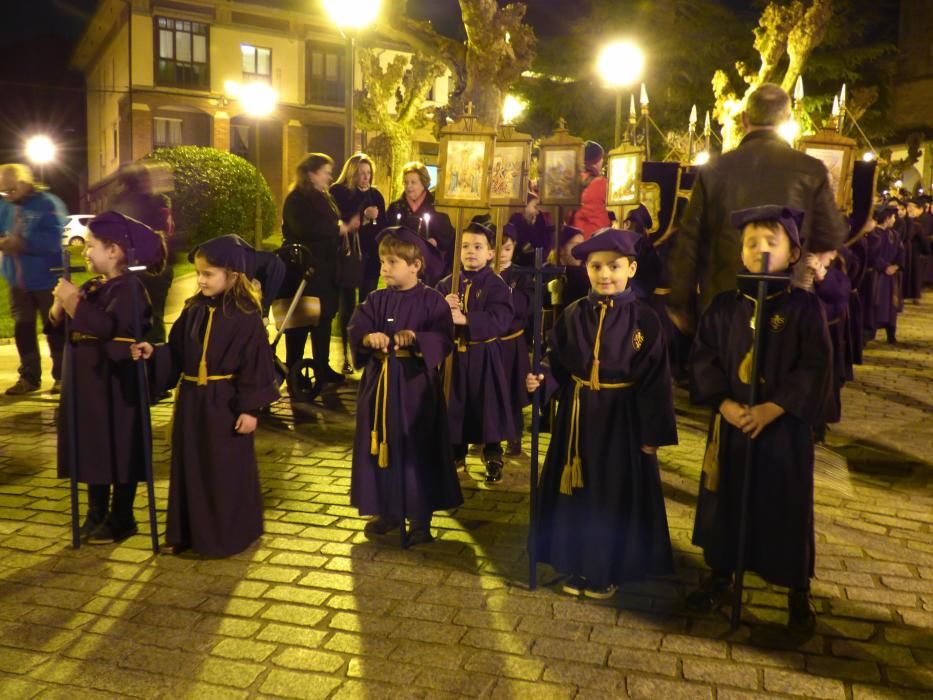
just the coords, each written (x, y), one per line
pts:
(620, 64)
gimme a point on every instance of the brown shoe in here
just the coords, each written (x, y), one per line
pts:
(166, 548)
(381, 526)
(22, 387)
(420, 532)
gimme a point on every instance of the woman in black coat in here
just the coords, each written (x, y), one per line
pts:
(311, 218)
(362, 205)
(410, 210)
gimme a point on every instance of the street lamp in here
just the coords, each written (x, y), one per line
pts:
(258, 100)
(620, 64)
(512, 108)
(351, 17)
(40, 150)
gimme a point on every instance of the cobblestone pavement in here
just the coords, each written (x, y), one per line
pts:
(315, 610)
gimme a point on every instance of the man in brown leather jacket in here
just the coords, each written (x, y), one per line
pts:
(764, 169)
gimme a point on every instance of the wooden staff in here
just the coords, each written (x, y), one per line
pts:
(454, 289)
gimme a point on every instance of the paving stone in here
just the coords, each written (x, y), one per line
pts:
(606, 681)
(842, 668)
(720, 672)
(305, 686)
(371, 669)
(505, 665)
(294, 614)
(243, 649)
(795, 683)
(302, 659)
(507, 689)
(646, 661)
(648, 687)
(884, 653)
(363, 645)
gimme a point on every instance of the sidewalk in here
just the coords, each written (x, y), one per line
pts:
(317, 611)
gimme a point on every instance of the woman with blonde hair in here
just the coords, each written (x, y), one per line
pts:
(310, 217)
(415, 209)
(358, 262)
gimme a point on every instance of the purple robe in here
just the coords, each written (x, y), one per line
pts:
(917, 252)
(834, 292)
(795, 374)
(852, 261)
(514, 342)
(109, 428)
(885, 248)
(416, 419)
(214, 501)
(614, 528)
(479, 406)
(537, 234)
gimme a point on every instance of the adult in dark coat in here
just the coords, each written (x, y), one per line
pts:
(415, 209)
(310, 217)
(363, 206)
(138, 200)
(764, 169)
(533, 229)
(916, 250)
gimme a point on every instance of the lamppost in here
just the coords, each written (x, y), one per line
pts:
(40, 150)
(351, 17)
(620, 64)
(258, 100)
(512, 108)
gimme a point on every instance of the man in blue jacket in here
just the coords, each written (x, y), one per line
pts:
(31, 225)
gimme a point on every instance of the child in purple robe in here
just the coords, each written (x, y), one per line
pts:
(514, 343)
(533, 229)
(886, 261)
(832, 288)
(101, 373)
(479, 405)
(602, 515)
(218, 354)
(401, 421)
(795, 371)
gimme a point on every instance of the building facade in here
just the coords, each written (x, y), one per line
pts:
(160, 73)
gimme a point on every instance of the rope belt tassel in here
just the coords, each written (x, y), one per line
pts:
(380, 448)
(202, 365)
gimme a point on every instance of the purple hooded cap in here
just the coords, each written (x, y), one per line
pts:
(135, 238)
(482, 223)
(883, 211)
(592, 153)
(640, 219)
(612, 239)
(433, 260)
(566, 233)
(510, 231)
(229, 251)
(790, 219)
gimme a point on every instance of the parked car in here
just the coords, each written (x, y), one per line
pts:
(76, 230)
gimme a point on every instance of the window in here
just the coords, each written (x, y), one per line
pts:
(182, 59)
(166, 132)
(257, 63)
(326, 82)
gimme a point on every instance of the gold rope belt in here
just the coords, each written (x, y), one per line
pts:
(513, 336)
(204, 379)
(572, 475)
(662, 291)
(77, 337)
(711, 456)
(463, 344)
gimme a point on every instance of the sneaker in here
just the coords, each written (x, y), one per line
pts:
(801, 615)
(56, 387)
(575, 585)
(420, 532)
(514, 448)
(600, 593)
(381, 526)
(713, 592)
(107, 534)
(22, 387)
(494, 470)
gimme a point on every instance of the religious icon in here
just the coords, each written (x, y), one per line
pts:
(834, 160)
(463, 170)
(624, 173)
(559, 175)
(507, 170)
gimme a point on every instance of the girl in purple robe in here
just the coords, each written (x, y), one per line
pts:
(602, 515)
(100, 371)
(795, 377)
(401, 421)
(218, 354)
(479, 406)
(514, 343)
(886, 260)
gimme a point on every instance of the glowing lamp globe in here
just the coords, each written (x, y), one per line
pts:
(512, 108)
(40, 150)
(352, 14)
(258, 99)
(620, 63)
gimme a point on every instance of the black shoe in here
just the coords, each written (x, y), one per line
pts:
(420, 532)
(381, 526)
(175, 549)
(575, 585)
(347, 368)
(494, 470)
(514, 448)
(606, 593)
(108, 534)
(713, 592)
(91, 523)
(332, 377)
(801, 615)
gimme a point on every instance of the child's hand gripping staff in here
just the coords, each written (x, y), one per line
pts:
(63, 308)
(751, 419)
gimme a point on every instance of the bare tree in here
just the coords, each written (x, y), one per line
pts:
(789, 31)
(406, 84)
